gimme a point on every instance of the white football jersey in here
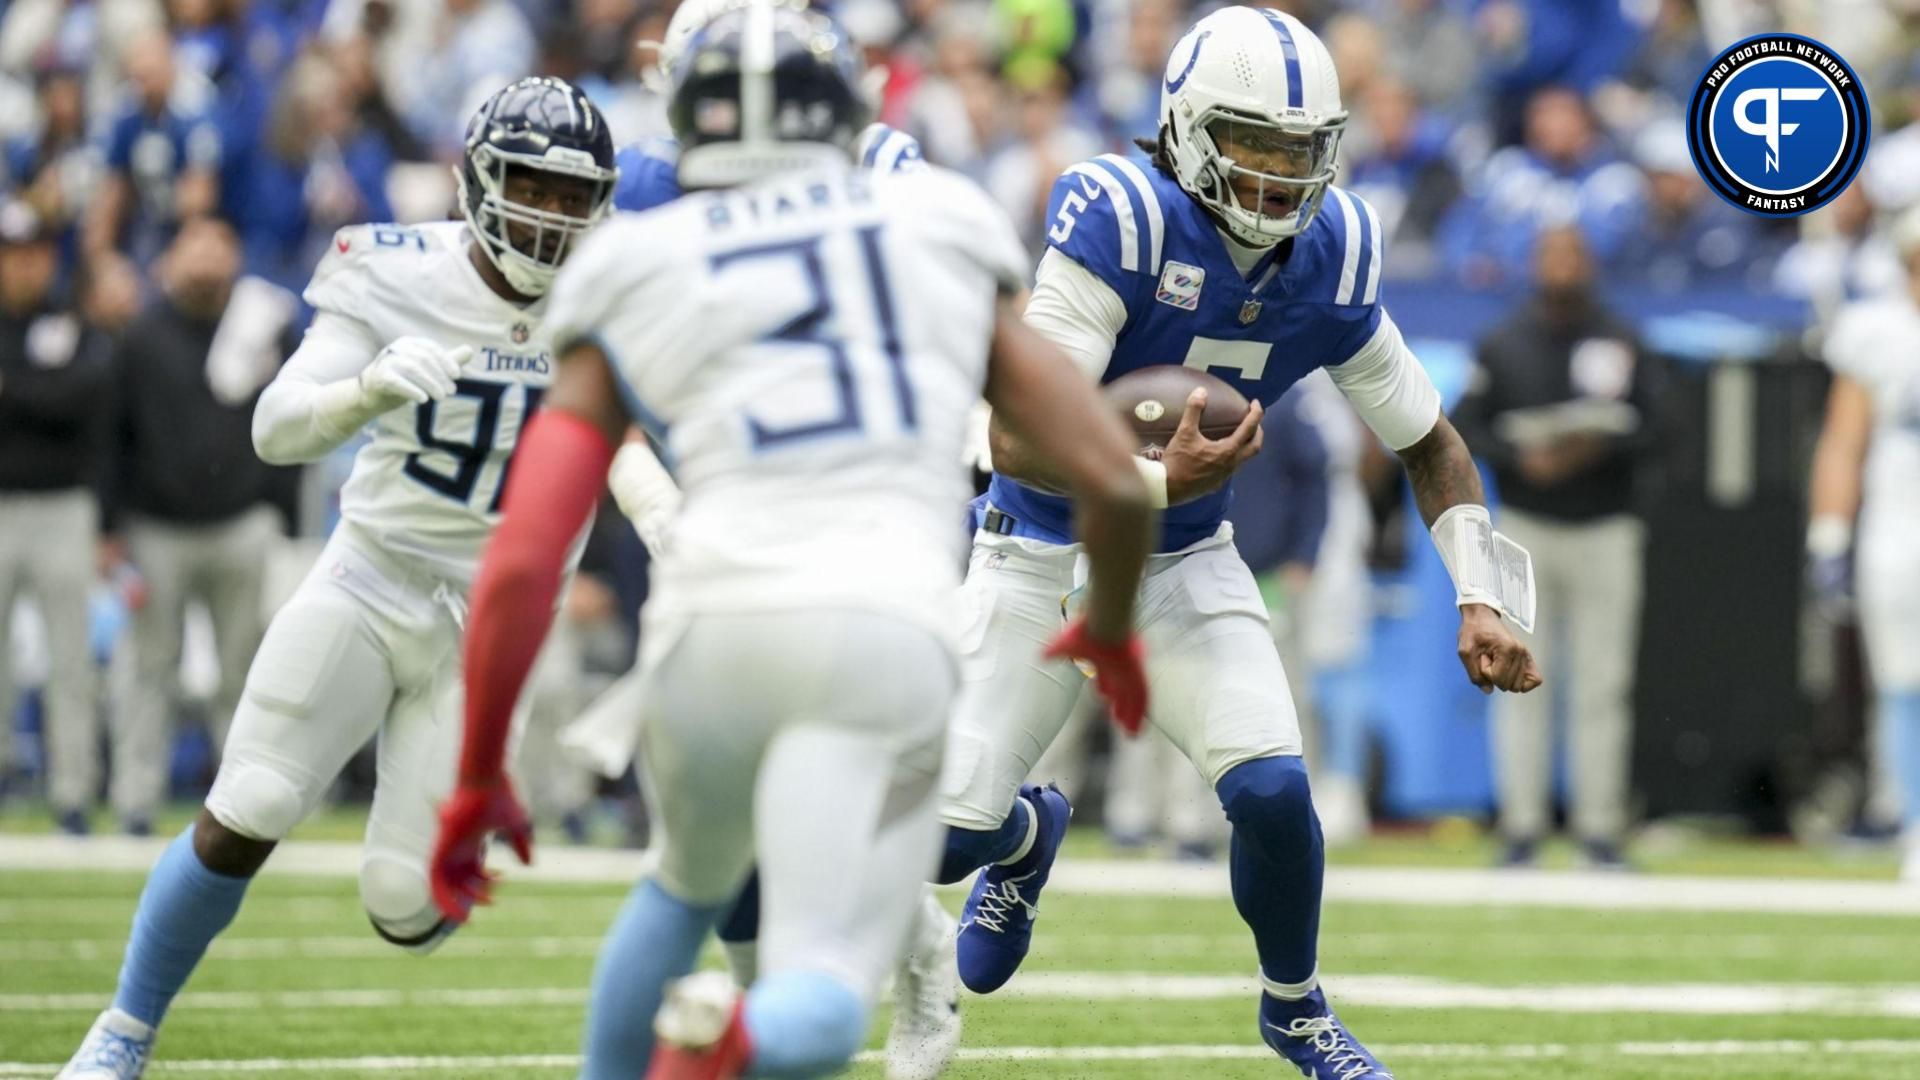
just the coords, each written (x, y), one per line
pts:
(806, 350)
(428, 485)
(1877, 344)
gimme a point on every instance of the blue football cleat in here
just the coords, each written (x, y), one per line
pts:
(996, 923)
(1307, 1033)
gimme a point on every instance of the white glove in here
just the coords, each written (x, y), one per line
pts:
(412, 371)
(646, 493)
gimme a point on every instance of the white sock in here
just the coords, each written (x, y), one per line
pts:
(1291, 991)
(1033, 833)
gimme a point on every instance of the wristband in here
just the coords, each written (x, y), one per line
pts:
(1828, 536)
(1155, 474)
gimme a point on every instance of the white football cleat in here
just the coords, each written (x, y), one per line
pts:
(116, 1048)
(697, 1010)
(926, 999)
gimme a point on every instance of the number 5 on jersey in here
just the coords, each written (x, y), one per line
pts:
(1070, 207)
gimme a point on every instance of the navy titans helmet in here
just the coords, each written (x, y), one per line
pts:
(538, 125)
(764, 89)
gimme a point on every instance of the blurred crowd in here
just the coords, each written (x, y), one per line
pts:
(173, 169)
(1476, 123)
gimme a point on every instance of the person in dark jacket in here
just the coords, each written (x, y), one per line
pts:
(197, 502)
(1560, 407)
(55, 374)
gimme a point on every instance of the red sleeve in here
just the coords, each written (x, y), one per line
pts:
(559, 471)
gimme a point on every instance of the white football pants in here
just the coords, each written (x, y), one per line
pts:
(1217, 689)
(812, 742)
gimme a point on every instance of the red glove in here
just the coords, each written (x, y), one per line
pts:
(1119, 673)
(458, 872)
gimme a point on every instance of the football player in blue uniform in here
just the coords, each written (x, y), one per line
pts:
(1226, 249)
(649, 168)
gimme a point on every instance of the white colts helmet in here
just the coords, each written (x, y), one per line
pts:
(1256, 82)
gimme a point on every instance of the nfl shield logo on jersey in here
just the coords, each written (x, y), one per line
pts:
(1249, 311)
(521, 332)
(1180, 286)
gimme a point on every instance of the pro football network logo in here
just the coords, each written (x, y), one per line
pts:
(1778, 125)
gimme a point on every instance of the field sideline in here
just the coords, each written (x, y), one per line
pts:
(1139, 971)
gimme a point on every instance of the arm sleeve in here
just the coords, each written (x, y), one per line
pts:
(315, 403)
(562, 461)
(1073, 308)
(1389, 388)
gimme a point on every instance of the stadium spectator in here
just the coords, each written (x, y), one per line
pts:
(1566, 174)
(477, 47)
(1530, 46)
(1430, 47)
(600, 55)
(956, 111)
(1128, 90)
(1892, 170)
(1840, 257)
(1660, 76)
(54, 374)
(1045, 141)
(191, 497)
(163, 157)
(315, 171)
(1396, 159)
(92, 36)
(56, 167)
(1687, 237)
(1560, 407)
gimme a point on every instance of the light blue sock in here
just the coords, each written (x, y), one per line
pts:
(655, 940)
(803, 1024)
(1901, 725)
(183, 908)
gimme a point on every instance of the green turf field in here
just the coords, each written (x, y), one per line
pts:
(1119, 986)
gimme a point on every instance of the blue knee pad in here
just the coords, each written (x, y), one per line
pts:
(803, 1024)
(1270, 804)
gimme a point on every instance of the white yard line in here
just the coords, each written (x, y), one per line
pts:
(1532, 945)
(1381, 885)
(1408, 1051)
(1386, 991)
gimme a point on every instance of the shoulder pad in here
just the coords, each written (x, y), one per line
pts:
(1105, 214)
(357, 254)
(1351, 247)
(888, 150)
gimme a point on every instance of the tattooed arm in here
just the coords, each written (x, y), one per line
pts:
(1443, 475)
(1441, 471)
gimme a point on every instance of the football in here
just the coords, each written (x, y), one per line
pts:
(1151, 400)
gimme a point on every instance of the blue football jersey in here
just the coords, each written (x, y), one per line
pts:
(1312, 301)
(649, 176)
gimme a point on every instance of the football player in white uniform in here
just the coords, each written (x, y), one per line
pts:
(1866, 510)
(807, 345)
(434, 335)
